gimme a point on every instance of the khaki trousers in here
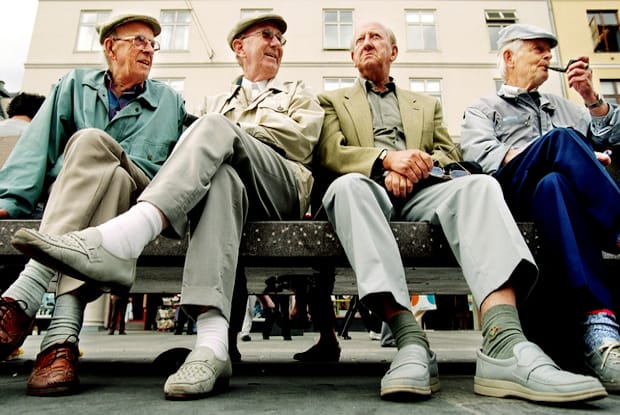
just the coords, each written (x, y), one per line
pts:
(97, 182)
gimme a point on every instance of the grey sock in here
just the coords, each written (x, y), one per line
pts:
(406, 330)
(501, 331)
(30, 286)
(66, 321)
(599, 328)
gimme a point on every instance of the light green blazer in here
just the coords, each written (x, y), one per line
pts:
(347, 144)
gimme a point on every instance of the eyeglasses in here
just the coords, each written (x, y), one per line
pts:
(140, 41)
(439, 173)
(268, 35)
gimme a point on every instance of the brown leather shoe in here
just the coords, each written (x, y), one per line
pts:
(55, 371)
(15, 326)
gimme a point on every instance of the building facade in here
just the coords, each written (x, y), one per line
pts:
(446, 47)
(591, 28)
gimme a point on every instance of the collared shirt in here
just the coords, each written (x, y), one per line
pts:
(118, 103)
(254, 88)
(386, 121)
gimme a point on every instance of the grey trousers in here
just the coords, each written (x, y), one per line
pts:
(471, 211)
(217, 177)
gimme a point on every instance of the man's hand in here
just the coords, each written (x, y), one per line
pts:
(414, 165)
(397, 184)
(4, 214)
(604, 158)
(510, 154)
(579, 76)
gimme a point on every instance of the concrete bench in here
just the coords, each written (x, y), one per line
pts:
(295, 248)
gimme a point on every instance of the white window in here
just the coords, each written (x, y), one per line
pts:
(88, 38)
(337, 29)
(496, 21)
(329, 84)
(175, 29)
(430, 87)
(421, 30)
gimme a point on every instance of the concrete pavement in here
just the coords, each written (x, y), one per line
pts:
(125, 374)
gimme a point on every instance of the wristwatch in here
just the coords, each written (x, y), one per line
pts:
(596, 103)
(377, 168)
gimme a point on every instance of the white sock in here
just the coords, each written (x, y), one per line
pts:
(127, 234)
(212, 332)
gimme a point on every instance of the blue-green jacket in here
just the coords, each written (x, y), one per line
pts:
(147, 129)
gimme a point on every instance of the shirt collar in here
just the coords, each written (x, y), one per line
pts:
(390, 86)
(132, 92)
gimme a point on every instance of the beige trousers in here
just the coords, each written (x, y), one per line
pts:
(97, 182)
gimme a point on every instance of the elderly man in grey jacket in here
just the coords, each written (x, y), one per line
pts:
(538, 147)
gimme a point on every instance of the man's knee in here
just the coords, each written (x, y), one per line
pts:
(347, 185)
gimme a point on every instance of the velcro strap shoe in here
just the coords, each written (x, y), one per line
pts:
(79, 255)
(200, 375)
(412, 374)
(530, 374)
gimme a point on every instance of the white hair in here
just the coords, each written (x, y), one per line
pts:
(513, 46)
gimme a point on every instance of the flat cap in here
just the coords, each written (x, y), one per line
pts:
(108, 27)
(245, 24)
(524, 32)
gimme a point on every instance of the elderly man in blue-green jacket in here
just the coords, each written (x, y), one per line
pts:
(94, 145)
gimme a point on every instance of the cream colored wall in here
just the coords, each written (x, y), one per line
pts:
(575, 40)
(463, 62)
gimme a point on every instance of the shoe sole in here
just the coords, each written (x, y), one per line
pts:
(60, 390)
(26, 248)
(408, 392)
(505, 389)
(221, 385)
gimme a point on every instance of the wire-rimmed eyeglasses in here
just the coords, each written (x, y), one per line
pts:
(140, 41)
(268, 35)
(440, 173)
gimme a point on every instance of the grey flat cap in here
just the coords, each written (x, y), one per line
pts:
(245, 24)
(108, 27)
(524, 32)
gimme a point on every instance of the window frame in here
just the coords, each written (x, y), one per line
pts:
(496, 20)
(102, 15)
(341, 43)
(421, 25)
(166, 44)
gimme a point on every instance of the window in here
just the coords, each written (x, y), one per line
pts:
(175, 83)
(496, 21)
(329, 84)
(175, 29)
(88, 38)
(337, 29)
(605, 30)
(421, 32)
(610, 89)
(430, 87)
(254, 12)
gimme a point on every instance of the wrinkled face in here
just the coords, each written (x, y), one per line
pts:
(259, 51)
(528, 66)
(129, 63)
(373, 51)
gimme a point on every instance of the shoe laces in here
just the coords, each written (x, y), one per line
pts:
(609, 349)
(60, 351)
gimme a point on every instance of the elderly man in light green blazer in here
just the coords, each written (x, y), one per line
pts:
(390, 148)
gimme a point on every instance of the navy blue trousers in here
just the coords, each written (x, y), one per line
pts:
(557, 183)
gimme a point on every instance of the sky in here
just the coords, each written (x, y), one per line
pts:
(15, 32)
